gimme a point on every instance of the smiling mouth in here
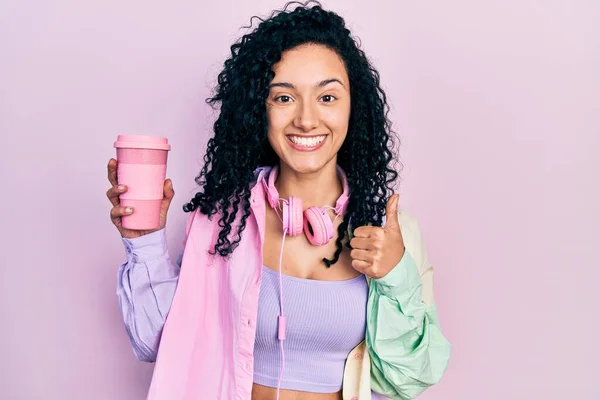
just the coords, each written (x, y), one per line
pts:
(308, 142)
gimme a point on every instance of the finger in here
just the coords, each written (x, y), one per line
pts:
(168, 194)
(373, 233)
(362, 255)
(112, 171)
(168, 189)
(363, 231)
(120, 211)
(391, 213)
(114, 192)
(362, 243)
(360, 265)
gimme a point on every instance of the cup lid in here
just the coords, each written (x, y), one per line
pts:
(142, 142)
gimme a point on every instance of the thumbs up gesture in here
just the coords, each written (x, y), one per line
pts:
(377, 250)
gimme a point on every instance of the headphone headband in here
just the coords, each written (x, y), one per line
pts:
(340, 204)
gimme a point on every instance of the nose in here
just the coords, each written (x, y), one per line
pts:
(307, 117)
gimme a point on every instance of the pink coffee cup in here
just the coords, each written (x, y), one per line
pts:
(142, 166)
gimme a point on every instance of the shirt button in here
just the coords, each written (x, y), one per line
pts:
(358, 356)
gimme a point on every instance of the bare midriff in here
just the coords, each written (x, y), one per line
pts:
(260, 392)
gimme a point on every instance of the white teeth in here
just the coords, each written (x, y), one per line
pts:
(307, 142)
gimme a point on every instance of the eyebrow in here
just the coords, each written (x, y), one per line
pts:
(320, 84)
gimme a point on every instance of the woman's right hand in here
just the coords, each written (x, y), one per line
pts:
(118, 211)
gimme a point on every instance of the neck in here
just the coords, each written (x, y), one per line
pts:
(319, 189)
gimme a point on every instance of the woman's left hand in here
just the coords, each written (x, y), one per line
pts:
(377, 250)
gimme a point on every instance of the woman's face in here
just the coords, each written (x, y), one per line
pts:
(308, 108)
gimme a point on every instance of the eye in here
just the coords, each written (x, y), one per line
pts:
(283, 99)
(328, 98)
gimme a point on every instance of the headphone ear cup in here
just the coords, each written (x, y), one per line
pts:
(292, 216)
(318, 227)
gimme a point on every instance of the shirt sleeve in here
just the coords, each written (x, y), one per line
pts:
(146, 284)
(408, 351)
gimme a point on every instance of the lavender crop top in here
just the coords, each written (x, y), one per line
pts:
(325, 321)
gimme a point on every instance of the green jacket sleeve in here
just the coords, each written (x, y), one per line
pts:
(408, 351)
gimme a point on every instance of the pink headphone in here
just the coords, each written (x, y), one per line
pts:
(315, 222)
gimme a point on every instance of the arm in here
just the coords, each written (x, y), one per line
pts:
(407, 348)
(145, 287)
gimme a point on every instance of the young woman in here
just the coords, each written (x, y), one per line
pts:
(298, 278)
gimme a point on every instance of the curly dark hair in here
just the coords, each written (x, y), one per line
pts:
(240, 143)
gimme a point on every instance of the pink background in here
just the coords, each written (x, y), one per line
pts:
(498, 107)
